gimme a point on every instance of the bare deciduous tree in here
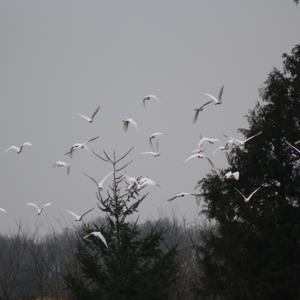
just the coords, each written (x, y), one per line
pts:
(11, 263)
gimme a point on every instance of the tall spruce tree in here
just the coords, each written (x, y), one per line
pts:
(254, 250)
(133, 266)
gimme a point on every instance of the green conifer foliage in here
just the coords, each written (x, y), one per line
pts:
(254, 251)
(132, 266)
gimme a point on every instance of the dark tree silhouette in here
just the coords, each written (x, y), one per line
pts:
(133, 266)
(254, 250)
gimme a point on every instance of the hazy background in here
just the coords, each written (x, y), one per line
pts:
(59, 58)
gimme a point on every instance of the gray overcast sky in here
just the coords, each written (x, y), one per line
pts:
(59, 58)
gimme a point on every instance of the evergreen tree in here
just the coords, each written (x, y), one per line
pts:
(253, 252)
(132, 266)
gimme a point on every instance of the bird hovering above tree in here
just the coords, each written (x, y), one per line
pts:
(97, 234)
(39, 210)
(250, 196)
(83, 145)
(232, 175)
(200, 155)
(100, 183)
(79, 217)
(242, 142)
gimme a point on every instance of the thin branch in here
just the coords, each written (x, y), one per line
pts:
(122, 157)
(99, 156)
(107, 156)
(123, 167)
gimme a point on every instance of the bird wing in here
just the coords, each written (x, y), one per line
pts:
(148, 152)
(95, 112)
(73, 214)
(105, 177)
(87, 212)
(93, 139)
(34, 205)
(253, 193)
(202, 140)
(220, 93)
(27, 144)
(150, 181)
(99, 235)
(94, 180)
(85, 117)
(3, 210)
(228, 174)
(125, 125)
(236, 175)
(47, 204)
(240, 193)
(196, 115)
(150, 140)
(56, 164)
(134, 123)
(191, 157)
(12, 148)
(208, 102)
(173, 198)
(148, 97)
(212, 97)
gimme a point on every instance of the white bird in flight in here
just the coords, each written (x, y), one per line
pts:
(131, 182)
(99, 184)
(3, 210)
(200, 155)
(242, 142)
(150, 97)
(153, 136)
(232, 175)
(97, 234)
(214, 99)
(78, 217)
(39, 210)
(83, 145)
(128, 121)
(144, 181)
(90, 119)
(249, 197)
(197, 111)
(206, 139)
(221, 148)
(182, 195)
(63, 164)
(154, 154)
(18, 149)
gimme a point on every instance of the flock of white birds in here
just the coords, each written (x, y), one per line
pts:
(141, 182)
